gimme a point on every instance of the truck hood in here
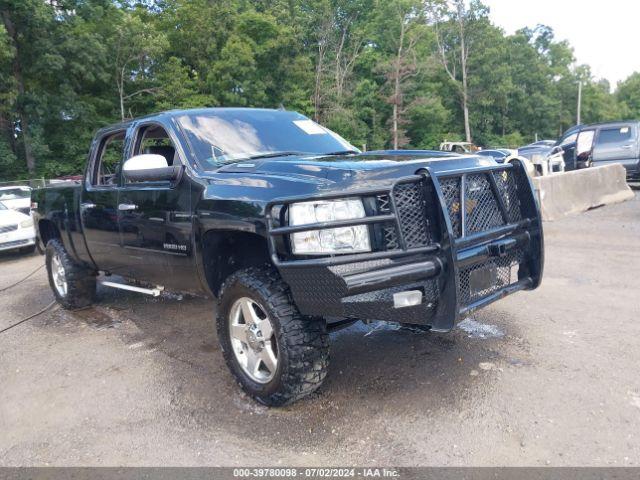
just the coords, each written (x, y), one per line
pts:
(11, 217)
(375, 164)
(529, 153)
(15, 203)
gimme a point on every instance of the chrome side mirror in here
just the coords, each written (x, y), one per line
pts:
(150, 167)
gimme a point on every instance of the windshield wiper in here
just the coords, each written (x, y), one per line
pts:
(286, 153)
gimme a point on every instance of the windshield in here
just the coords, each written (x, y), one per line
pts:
(14, 193)
(218, 137)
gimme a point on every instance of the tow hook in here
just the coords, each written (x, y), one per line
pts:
(502, 247)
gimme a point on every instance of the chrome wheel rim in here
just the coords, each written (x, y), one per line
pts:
(58, 274)
(252, 340)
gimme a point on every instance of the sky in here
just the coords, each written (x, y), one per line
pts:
(604, 34)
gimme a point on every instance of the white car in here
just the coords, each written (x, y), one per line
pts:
(16, 198)
(16, 230)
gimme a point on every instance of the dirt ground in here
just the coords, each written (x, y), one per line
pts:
(548, 377)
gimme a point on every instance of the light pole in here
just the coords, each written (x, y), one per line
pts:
(579, 102)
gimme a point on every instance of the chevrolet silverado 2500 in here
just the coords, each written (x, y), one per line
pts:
(293, 230)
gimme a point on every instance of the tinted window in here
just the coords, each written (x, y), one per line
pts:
(614, 135)
(226, 136)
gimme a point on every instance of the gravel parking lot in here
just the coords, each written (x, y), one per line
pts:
(548, 377)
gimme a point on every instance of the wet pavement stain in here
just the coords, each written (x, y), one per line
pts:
(96, 318)
(475, 329)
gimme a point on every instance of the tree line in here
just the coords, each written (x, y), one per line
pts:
(382, 73)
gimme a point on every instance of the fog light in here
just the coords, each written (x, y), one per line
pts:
(409, 298)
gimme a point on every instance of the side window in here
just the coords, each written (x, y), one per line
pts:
(107, 164)
(584, 144)
(609, 136)
(154, 139)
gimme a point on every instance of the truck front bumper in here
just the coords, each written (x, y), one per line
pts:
(462, 239)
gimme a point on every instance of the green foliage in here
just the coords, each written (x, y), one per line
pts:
(511, 140)
(358, 66)
(628, 94)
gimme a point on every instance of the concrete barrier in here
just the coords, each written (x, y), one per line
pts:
(568, 193)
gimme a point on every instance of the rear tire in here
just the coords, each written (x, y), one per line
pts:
(297, 361)
(73, 285)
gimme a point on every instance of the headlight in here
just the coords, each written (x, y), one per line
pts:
(330, 240)
(26, 223)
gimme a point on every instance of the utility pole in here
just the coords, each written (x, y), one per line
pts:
(579, 102)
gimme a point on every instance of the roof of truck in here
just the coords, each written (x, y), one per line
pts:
(179, 112)
(610, 124)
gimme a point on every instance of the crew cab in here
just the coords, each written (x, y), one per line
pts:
(293, 230)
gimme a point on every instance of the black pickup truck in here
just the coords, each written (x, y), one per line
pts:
(292, 229)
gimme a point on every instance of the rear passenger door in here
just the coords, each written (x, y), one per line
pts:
(617, 144)
(155, 217)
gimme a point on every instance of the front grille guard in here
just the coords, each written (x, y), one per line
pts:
(388, 218)
(457, 249)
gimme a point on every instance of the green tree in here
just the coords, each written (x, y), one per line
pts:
(628, 94)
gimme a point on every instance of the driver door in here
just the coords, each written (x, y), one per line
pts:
(155, 218)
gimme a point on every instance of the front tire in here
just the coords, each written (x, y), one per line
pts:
(73, 285)
(276, 355)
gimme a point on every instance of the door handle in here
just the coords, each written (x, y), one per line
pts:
(626, 147)
(127, 206)
(88, 205)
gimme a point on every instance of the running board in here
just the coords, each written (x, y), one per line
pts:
(154, 292)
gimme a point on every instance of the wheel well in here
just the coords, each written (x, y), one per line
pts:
(225, 252)
(47, 230)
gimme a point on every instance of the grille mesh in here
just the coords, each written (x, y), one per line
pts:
(483, 211)
(481, 207)
(506, 183)
(390, 237)
(389, 234)
(411, 205)
(504, 276)
(451, 191)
